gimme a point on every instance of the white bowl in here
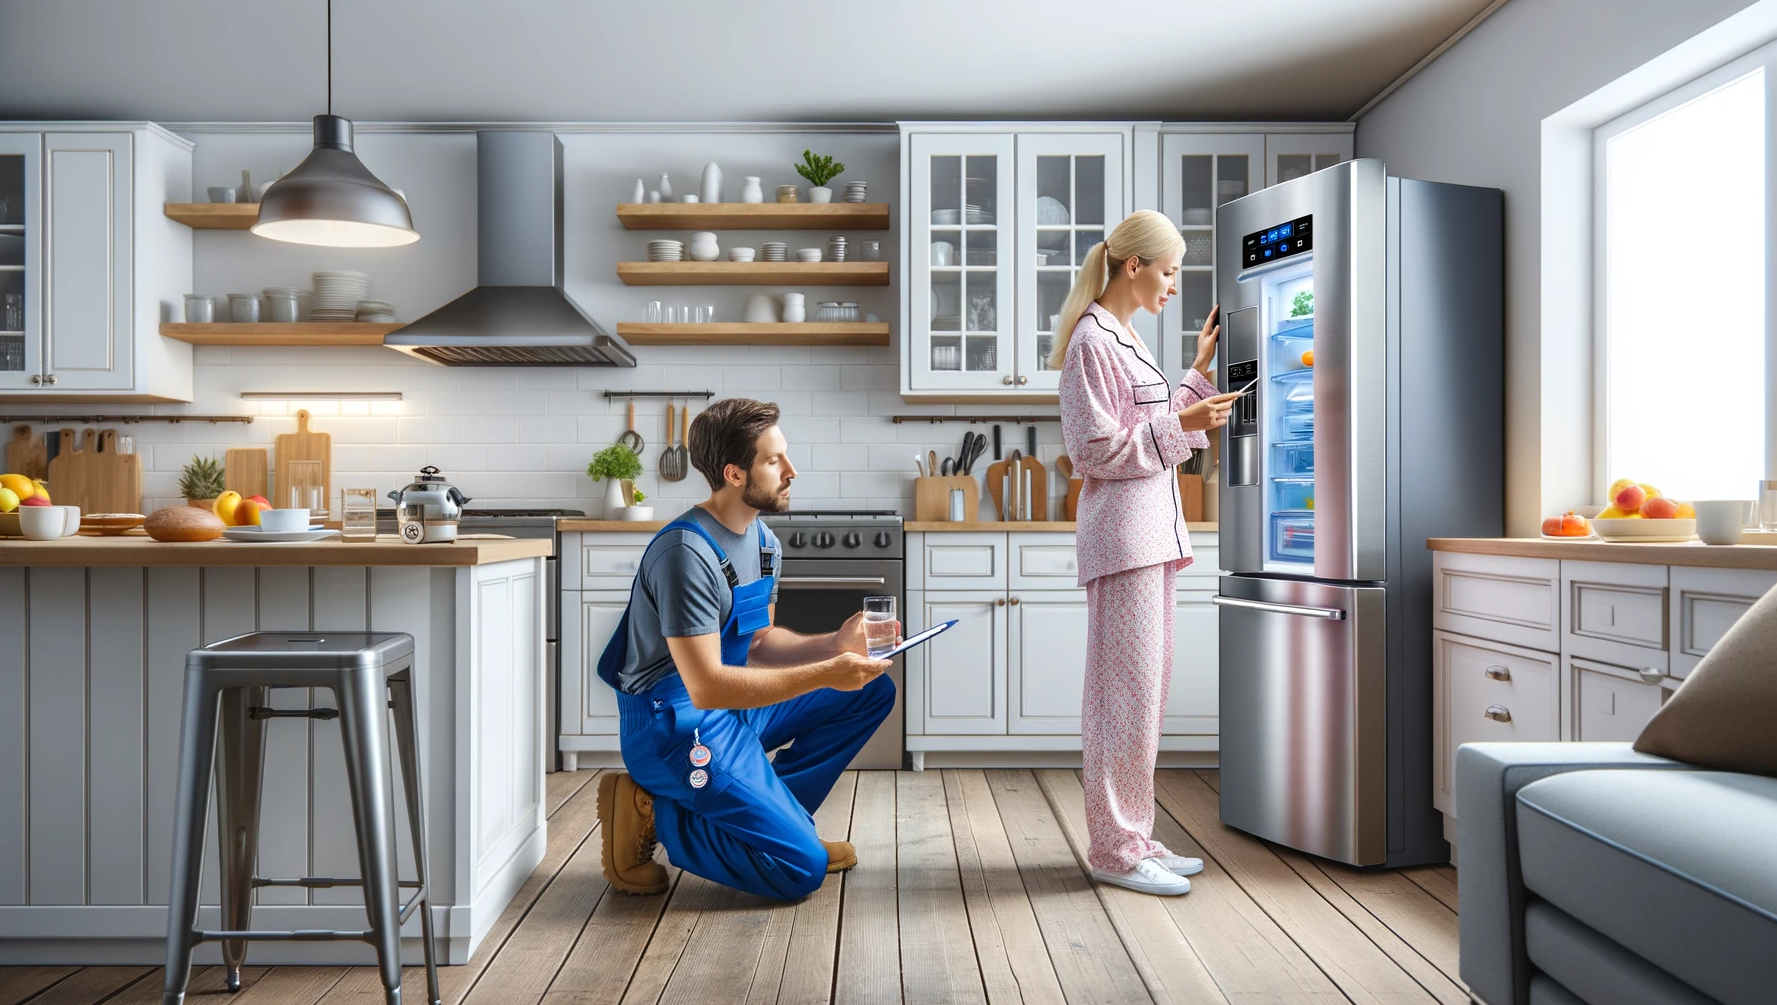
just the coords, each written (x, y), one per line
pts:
(1641, 530)
(636, 513)
(283, 521)
(808, 254)
(741, 254)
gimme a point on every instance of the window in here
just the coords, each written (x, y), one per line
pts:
(1681, 333)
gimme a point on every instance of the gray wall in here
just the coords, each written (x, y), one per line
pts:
(1474, 116)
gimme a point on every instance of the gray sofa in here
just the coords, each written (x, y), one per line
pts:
(1593, 874)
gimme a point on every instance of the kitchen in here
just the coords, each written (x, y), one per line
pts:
(859, 398)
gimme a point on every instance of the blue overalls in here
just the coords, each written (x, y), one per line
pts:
(736, 817)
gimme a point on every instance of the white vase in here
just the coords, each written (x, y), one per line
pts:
(751, 192)
(820, 193)
(666, 187)
(614, 501)
(641, 192)
(711, 190)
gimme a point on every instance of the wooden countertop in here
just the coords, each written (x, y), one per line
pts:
(138, 550)
(585, 525)
(1694, 553)
(1063, 526)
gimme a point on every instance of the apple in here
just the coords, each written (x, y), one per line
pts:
(1630, 498)
(9, 500)
(1659, 508)
(1574, 525)
(1552, 527)
(35, 500)
(246, 513)
(263, 502)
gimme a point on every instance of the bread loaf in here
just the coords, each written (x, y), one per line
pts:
(183, 523)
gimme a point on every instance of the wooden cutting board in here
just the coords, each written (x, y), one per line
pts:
(246, 471)
(303, 445)
(26, 454)
(91, 474)
(996, 488)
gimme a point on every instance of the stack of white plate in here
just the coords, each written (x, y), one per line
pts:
(379, 312)
(946, 217)
(836, 248)
(1199, 217)
(1229, 189)
(975, 214)
(774, 251)
(337, 294)
(665, 250)
(808, 254)
(857, 191)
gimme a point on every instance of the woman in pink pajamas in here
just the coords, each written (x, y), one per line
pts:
(1126, 431)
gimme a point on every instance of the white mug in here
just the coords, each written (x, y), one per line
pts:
(1721, 521)
(70, 520)
(41, 523)
(942, 252)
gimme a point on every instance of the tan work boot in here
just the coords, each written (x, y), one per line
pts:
(626, 821)
(840, 855)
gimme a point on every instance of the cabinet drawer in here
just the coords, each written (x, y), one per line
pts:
(1513, 600)
(610, 561)
(1705, 604)
(963, 561)
(1042, 562)
(1615, 612)
(1609, 702)
(1484, 691)
(1205, 567)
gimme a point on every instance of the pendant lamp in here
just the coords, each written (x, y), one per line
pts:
(331, 198)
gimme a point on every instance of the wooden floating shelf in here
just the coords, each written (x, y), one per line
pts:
(820, 333)
(214, 215)
(754, 215)
(753, 273)
(302, 333)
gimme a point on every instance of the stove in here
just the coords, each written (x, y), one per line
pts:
(838, 534)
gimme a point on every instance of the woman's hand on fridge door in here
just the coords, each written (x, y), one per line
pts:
(1206, 343)
(1210, 413)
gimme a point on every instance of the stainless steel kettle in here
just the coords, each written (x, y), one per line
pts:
(427, 511)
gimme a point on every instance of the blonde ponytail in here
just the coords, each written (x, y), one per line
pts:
(1143, 234)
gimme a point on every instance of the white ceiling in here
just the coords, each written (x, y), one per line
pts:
(711, 60)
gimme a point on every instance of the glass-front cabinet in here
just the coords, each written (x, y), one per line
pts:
(1070, 192)
(1292, 155)
(961, 219)
(1197, 174)
(20, 239)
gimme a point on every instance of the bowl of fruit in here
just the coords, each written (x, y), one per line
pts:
(16, 491)
(1569, 526)
(1639, 514)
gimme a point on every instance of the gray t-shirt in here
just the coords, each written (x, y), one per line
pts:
(681, 591)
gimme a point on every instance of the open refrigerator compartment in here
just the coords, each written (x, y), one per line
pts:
(1289, 432)
(1292, 347)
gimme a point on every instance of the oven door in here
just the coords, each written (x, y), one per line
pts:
(815, 596)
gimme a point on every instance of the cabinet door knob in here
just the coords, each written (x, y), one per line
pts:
(36, 378)
(49, 379)
(999, 601)
(1652, 676)
(1498, 672)
(1007, 379)
(1024, 380)
(1014, 601)
(1499, 713)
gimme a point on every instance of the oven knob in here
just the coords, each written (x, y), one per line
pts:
(798, 540)
(854, 540)
(823, 539)
(884, 539)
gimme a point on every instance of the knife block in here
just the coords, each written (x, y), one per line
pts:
(1190, 496)
(931, 497)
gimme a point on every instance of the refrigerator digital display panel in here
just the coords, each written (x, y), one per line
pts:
(1261, 247)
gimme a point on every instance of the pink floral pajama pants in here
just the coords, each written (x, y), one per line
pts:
(1129, 636)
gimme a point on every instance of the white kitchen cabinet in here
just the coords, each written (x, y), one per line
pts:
(1486, 691)
(1198, 173)
(1705, 603)
(1193, 704)
(959, 561)
(93, 261)
(1289, 156)
(588, 705)
(1615, 612)
(1047, 660)
(965, 678)
(1609, 702)
(1070, 191)
(1515, 600)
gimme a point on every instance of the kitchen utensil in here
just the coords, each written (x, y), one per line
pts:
(27, 454)
(632, 439)
(245, 471)
(669, 454)
(1031, 440)
(1035, 489)
(427, 510)
(932, 461)
(1719, 521)
(1014, 483)
(948, 465)
(90, 474)
(996, 487)
(919, 464)
(1065, 465)
(931, 497)
(682, 454)
(304, 445)
(996, 443)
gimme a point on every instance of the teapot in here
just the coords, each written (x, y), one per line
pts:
(427, 511)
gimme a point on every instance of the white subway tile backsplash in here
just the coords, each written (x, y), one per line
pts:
(430, 428)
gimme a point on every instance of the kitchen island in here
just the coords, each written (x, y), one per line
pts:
(93, 638)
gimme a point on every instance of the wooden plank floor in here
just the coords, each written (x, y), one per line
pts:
(970, 888)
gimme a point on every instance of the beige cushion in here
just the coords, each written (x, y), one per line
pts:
(1724, 715)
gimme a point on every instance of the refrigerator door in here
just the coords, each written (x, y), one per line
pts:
(1307, 318)
(1303, 711)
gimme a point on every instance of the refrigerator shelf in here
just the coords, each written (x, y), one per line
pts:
(1292, 377)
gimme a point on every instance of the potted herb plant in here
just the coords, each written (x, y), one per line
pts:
(614, 464)
(200, 482)
(819, 170)
(638, 511)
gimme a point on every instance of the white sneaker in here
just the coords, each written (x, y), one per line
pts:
(1179, 865)
(1148, 876)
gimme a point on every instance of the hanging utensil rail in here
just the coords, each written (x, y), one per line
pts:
(660, 394)
(125, 419)
(1010, 420)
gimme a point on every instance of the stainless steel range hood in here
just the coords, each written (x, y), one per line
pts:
(519, 315)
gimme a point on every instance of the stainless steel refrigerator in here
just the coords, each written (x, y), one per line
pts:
(1369, 310)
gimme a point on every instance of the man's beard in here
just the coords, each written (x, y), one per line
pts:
(763, 501)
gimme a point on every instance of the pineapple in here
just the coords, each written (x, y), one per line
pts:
(201, 479)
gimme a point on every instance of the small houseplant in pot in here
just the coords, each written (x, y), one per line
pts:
(200, 482)
(614, 464)
(819, 170)
(638, 511)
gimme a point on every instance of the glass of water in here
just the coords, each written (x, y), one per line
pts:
(880, 627)
(358, 514)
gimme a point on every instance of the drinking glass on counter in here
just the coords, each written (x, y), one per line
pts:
(1767, 506)
(357, 514)
(879, 625)
(651, 313)
(306, 489)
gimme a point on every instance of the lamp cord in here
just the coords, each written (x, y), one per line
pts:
(329, 57)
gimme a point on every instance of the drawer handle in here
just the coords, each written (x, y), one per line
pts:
(1652, 676)
(1015, 601)
(999, 601)
(1497, 672)
(1498, 713)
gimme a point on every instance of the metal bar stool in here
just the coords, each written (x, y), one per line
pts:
(368, 672)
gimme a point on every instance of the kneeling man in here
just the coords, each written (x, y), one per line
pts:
(706, 685)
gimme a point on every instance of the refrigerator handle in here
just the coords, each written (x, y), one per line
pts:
(1329, 613)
